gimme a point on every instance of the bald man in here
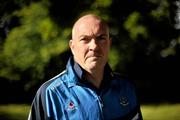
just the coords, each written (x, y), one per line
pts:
(87, 89)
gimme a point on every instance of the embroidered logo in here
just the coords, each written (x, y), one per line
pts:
(71, 105)
(124, 101)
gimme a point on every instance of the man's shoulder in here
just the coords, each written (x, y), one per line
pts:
(52, 82)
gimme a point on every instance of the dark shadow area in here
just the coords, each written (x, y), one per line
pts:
(156, 80)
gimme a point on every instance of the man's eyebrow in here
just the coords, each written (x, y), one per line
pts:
(98, 35)
(83, 36)
(102, 35)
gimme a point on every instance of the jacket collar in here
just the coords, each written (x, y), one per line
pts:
(75, 73)
(71, 77)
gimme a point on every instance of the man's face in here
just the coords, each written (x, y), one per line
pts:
(90, 43)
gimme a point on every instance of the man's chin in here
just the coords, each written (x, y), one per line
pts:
(94, 64)
(93, 60)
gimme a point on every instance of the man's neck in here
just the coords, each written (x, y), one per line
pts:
(95, 77)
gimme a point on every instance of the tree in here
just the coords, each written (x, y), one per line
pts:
(29, 46)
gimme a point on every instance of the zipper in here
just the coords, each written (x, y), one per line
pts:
(101, 106)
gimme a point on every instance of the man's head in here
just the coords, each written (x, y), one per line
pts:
(90, 42)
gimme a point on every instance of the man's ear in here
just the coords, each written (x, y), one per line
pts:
(71, 45)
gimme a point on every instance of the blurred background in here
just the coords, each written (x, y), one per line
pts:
(145, 34)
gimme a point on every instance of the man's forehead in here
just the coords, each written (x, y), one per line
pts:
(87, 19)
(90, 21)
(90, 30)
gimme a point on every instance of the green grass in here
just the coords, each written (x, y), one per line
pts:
(14, 112)
(150, 112)
(161, 112)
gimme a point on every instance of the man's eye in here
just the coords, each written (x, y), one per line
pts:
(101, 38)
(84, 39)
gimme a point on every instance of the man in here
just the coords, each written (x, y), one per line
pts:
(87, 89)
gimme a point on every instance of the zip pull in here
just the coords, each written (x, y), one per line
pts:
(101, 102)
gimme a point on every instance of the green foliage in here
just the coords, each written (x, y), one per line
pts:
(134, 27)
(162, 11)
(170, 50)
(32, 44)
(101, 3)
(99, 7)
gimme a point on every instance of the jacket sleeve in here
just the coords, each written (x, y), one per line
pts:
(38, 107)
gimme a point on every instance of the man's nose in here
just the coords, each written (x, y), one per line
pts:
(93, 45)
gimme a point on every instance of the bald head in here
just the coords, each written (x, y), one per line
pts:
(84, 20)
